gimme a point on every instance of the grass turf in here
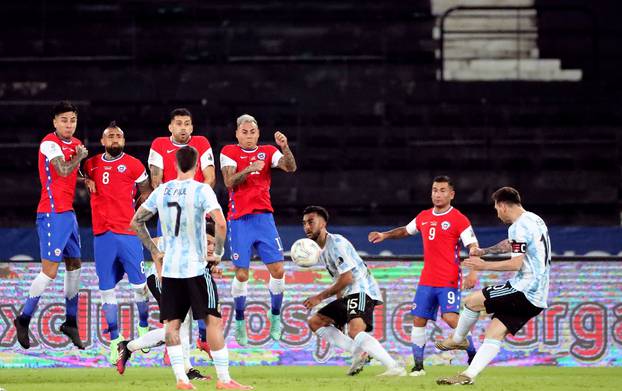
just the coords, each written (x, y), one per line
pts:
(317, 378)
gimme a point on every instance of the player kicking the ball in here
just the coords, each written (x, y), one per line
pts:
(357, 293)
(511, 304)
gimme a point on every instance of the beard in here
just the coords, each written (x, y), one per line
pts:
(114, 151)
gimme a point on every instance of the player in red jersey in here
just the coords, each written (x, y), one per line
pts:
(113, 179)
(163, 169)
(162, 154)
(60, 155)
(246, 171)
(439, 285)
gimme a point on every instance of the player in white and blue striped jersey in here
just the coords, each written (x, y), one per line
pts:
(357, 294)
(186, 282)
(517, 301)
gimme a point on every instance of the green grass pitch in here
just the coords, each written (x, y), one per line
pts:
(317, 378)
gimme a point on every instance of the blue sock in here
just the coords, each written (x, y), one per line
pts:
(471, 349)
(277, 301)
(112, 312)
(418, 353)
(202, 332)
(71, 307)
(240, 305)
(143, 313)
(30, 307)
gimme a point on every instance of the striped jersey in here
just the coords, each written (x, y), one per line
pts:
(339, 256)
(529, 236)
(182, 206)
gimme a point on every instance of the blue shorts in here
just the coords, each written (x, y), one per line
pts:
(256, 231)
(429, 298)
(59, 236)
(115, 255)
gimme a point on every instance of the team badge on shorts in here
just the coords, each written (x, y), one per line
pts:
(445, 225)
(57, 252)
(414, 307)
(121, 168)
(261, 156)
(236, 256)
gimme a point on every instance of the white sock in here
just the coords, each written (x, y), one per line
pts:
(221, 363)
(371, 345)
(239, 288)
(149, 340)
(39, 284)
(489, 349)
(177, 362)
(336, 337)
(72, 283)
(466, 321)
(184, 336)
(276, 285)
(417, 336)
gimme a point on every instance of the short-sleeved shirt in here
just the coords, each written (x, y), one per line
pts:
(162, 155)
(441, 233)
(112, 204)
(57, 192)
(182, 206)
(339, 256)
(253, 195)
(529, 236)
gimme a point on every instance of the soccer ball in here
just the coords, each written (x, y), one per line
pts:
(305, 252)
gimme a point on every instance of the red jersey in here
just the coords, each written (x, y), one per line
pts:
(252, 195)
(112, 204)
(56, 191)
(440, 233)
(162, 155)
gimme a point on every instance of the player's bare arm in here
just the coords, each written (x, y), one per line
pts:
(502, 247)
(64, 168)
(470, 279)
(232, 178)
(220, 230)
(145, 189)
(139, 225)
(209, 175)
(286, 163)
(344, 280)
(396, 233)
(508, 265)
(156, 176)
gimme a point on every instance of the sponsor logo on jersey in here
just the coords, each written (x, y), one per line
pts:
(445, 225)
(261, 156)
(171, 150)
(339, 261)
(121, 168)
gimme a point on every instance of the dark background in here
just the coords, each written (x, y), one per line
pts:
(354, 86)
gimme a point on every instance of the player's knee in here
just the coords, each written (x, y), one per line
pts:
(277, 270)
(315, 323)
(419, 321)
(49, 268)
(473, 302)
(140, 292)
(241, 274)
(109, 296)
(355, 327)
(73, 264)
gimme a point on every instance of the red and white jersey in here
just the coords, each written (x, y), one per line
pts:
(252, 195)
(162, 155)
(56, 191)
(112, 204)
(441, 233)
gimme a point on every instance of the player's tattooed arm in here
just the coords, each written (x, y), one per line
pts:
(65, 168)
(139, 225)
(145, 189)
(502, 247)
(156, 175)
(232, 178)
(286, 163)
